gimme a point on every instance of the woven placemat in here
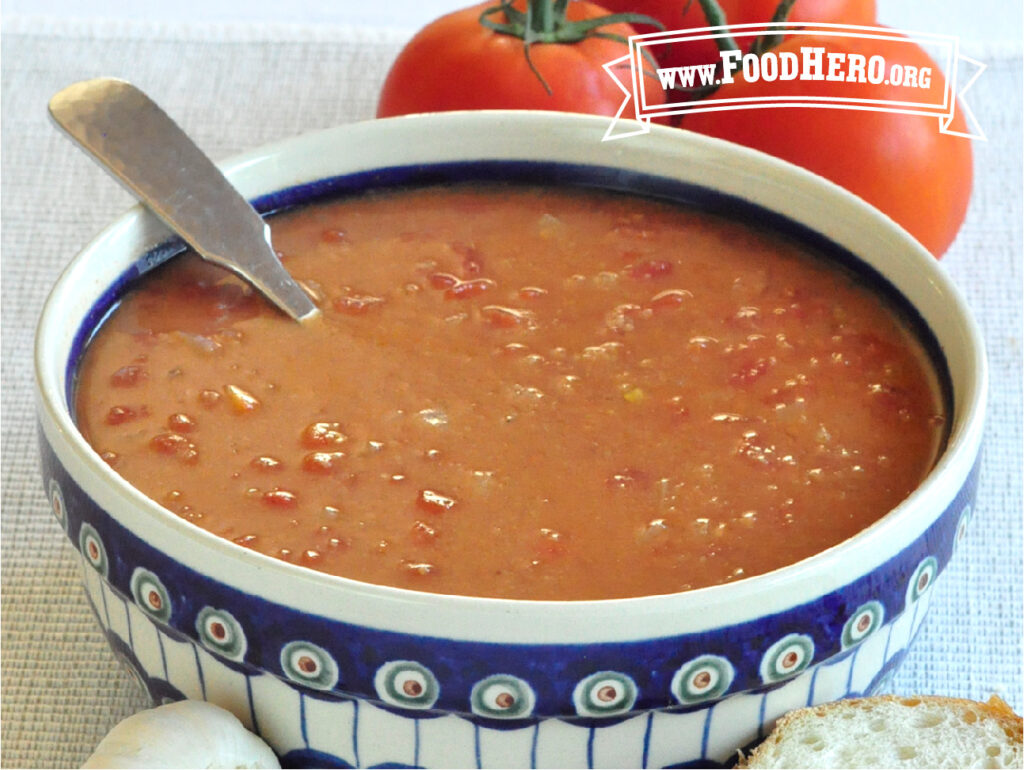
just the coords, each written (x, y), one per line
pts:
(235, 88)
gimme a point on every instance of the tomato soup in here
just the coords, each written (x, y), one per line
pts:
(522, 392)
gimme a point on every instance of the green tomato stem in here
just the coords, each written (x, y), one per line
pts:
(768, 41)
(716, 18)
(544, 21)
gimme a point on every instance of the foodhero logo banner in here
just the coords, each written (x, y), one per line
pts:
(830, 66)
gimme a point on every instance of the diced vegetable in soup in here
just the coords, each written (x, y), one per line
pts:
(534, 393)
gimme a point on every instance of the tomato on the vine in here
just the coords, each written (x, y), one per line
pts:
(902, 164)
(688, 14)
(460, 62)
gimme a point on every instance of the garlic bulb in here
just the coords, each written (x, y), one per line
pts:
(185, 734)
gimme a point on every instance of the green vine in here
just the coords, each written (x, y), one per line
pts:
(767, 41)
(544, 21)
(715, 17)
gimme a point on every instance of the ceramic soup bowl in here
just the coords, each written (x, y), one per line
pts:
(335, 672)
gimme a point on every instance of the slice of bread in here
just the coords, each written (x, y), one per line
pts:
(894, 732)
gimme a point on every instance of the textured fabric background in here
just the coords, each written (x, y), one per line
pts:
(233, 88)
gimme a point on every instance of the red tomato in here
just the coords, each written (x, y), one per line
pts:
(456, 63)
(688, 14)
(899, 163)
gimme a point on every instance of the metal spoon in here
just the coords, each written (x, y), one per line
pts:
(136, 141)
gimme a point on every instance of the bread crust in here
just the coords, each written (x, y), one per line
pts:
(996, 710)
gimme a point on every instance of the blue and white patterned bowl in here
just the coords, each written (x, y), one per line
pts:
(333, 672)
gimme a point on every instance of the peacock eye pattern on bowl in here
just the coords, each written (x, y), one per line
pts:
(151, 596)
(962, 526)
(704, 678)
(221, 633)
(57, 502)
(864, 621)
(502, 696)
(406, 684)
(787, 657)
(604, 694)
(91, 546)
(590, 682)
(310, 665)
(922, 579)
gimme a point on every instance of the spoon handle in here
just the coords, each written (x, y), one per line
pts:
(136, 141)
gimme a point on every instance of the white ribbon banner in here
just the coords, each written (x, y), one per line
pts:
(806, 72)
